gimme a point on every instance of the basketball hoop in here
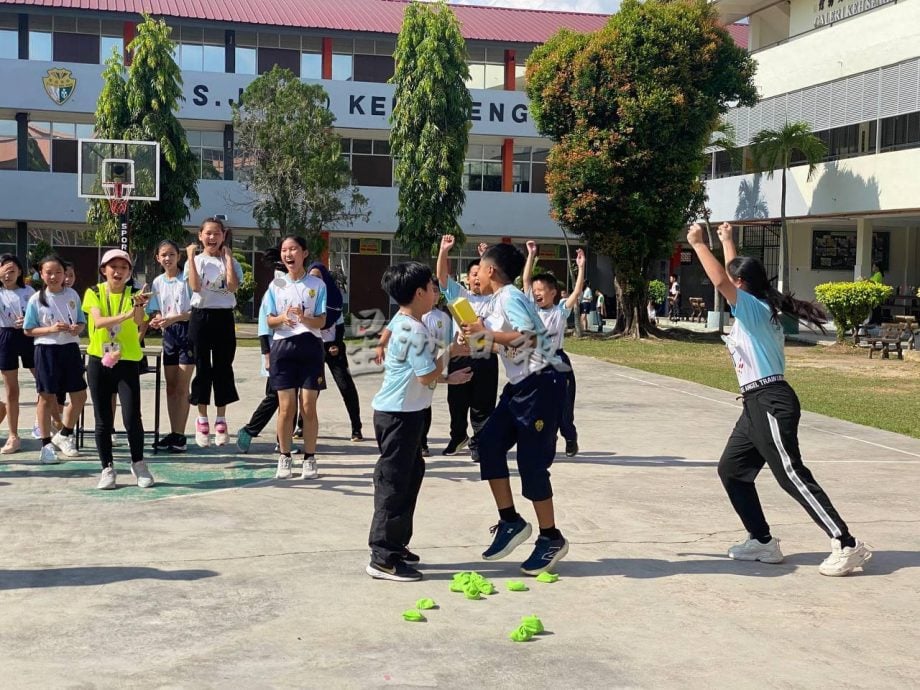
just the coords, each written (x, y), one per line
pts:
(118, 194)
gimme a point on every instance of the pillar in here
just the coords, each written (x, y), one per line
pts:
(229, 146)
(22, 244)
(510, 63)
(22, 141)
(128, 30)
(327, 57)
(229, 52)
(863, 267)
(23, 37)
(507, 165)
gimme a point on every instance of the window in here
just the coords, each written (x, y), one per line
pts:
(8, 144)
(110, 44)
(342, 59)
(246, 44)
(373, 60)
(40, 38)
(311, 66)
(75, 47)
(483, 168)
(901, 132)
(370, 161)
(9, 36)
(725, 166)
(208, 148)
(52, 146)
(487, 68)
(529, 169)
(200, 50)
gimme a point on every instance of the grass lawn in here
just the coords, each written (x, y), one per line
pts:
(838, 381)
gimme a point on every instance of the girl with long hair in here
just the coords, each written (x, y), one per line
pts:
(15, 345)
(767, 431)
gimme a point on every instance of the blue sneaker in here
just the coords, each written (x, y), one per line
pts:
(508, 536)
(546, 553)
(243, 440)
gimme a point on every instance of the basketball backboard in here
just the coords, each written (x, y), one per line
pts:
(102, 162)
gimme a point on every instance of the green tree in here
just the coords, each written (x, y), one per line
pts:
(292, 159)
(431, 122)
(851, 303)
(247, 287)
(630, 109)
(144, 107)
(774, 149)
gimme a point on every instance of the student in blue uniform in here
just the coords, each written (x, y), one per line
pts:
(296, 308)
(527, 414)
(54, 318)
(170, 308)
(15, 346)
(412, 369)
(543, 290)
(767, 431)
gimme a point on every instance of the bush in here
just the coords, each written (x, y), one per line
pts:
(657, 292)
(851, 303)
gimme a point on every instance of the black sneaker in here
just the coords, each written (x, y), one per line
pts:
(408, 557)
(426, 452)
(508, 536)
(571, 448)
(455, 447)
(298, 432)
(546, 553)
(356, 436)
(177, 445)
(474, 454)
(163, 443)
(401, 572)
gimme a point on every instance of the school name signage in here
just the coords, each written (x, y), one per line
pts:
(829, 11)
(211, 95)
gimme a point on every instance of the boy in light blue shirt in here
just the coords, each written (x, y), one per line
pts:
(412, 368)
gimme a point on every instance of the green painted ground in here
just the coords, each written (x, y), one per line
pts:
(175, 475)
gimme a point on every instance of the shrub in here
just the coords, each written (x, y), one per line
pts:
(657, 291)
(851, 303)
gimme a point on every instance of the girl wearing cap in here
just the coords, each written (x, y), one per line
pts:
(214, 276)
(116, 312)
(295, 306)
(170, 308)
(15, 345)
(54, 318)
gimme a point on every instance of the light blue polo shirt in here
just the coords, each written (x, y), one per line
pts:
(755, 342)
(411, 352)
(511, 310)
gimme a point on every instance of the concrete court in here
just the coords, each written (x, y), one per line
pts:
(263, 585)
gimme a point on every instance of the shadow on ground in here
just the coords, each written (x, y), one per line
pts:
(91, 576)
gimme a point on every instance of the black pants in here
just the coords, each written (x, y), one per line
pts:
(767, 432)
(567, 414)
(264, 412)
(427, 428)
(397, 480)
(338, 365)
(124, 379)
(213, 336)
(475, 398)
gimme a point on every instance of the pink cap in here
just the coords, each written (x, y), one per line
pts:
(115, 254)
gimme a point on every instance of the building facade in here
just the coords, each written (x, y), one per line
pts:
(851, 69)
(51, 55)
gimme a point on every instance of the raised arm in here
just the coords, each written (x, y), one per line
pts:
(233, 280)
(528, 265)
(714, 270)
(573, 299)
(447, 243)
(728, 241)
(194, 278)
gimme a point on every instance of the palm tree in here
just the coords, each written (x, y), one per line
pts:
(773, 149)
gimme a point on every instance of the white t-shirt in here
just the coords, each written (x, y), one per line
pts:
(755, 342)
(309, 293)
(171, 296)
(480, 303)
(587, 295)
(554, 319)
(214, 293)
(328, 334)
(409, 355)
(13, 305)
(512, 311)
(63, 307)
(439, 328)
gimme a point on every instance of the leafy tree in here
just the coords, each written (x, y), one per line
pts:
(431, 122)
(630, 109)
(292, 159)
(774, 149)
(657, 292)
(143, 107)
(851, 303)
(247, 287)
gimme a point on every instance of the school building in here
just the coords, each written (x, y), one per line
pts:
(851, 69)
(51, 55)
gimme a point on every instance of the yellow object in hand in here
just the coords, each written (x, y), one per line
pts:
(462, 311)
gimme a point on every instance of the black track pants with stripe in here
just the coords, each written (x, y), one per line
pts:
(767, 432)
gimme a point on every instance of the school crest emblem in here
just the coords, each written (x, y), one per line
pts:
(538, 425)
(311, 292)
(59, 84)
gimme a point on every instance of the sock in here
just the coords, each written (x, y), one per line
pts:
(46, 440)
(287, 455)
(308, 455)
(218, 420)
(203, 420)
(764, 540)
(508, 514)
(848, 540)
(66, 431)
(550, 533)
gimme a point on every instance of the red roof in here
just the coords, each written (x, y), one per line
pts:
(371, 16)
(740, 33)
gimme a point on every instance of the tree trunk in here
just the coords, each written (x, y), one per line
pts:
(632, 312)
(783, 240)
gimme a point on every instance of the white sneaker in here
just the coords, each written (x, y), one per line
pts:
(221, 433)
(48, 455)
(107, 478)
(753, 550)
(142, 474)
(202, 433)
(309, 468)
(843, 560)
(284, 467)
(66, 445)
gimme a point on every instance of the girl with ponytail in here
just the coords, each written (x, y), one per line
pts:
(767, 431)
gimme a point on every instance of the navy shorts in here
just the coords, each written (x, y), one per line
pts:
(15, 345)
(297, 362)
(59, 369)
(527, 414)
(177, 348)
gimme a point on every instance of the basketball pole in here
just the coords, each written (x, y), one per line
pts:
(123, 230)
